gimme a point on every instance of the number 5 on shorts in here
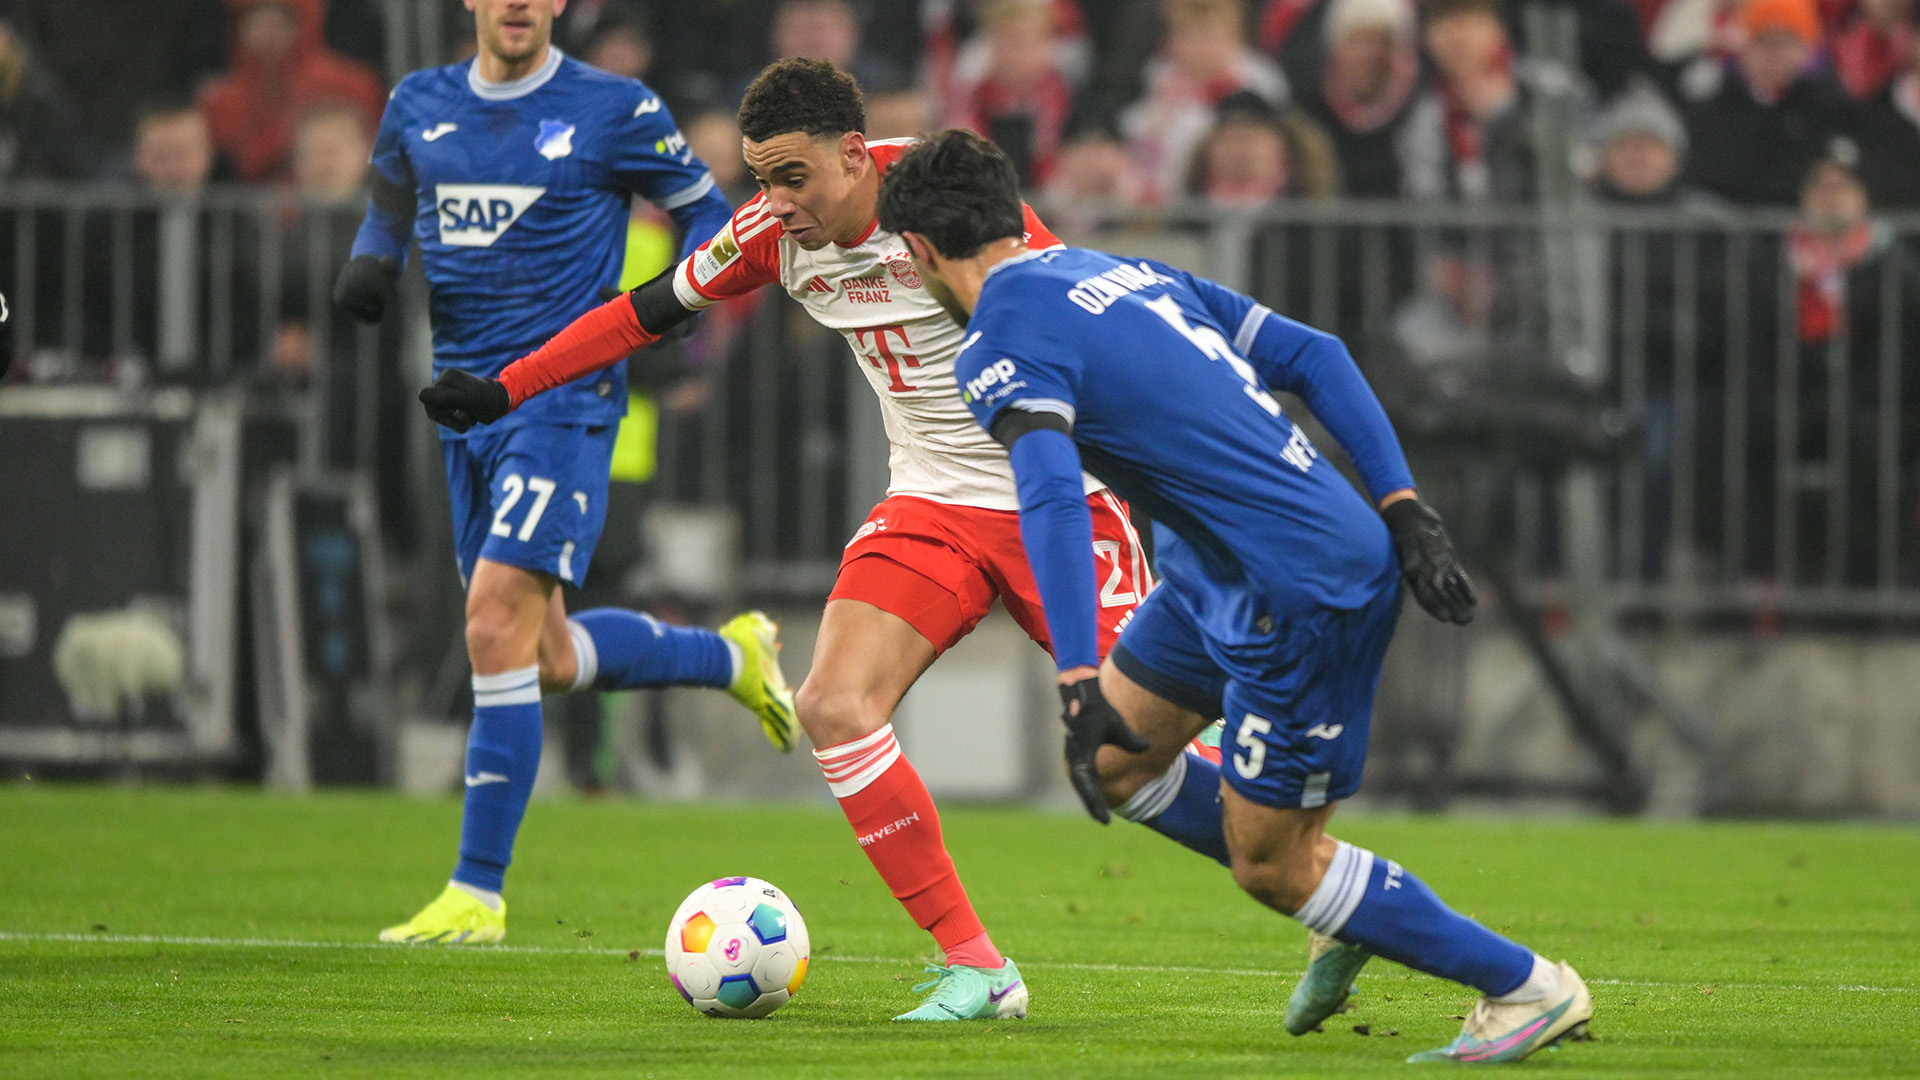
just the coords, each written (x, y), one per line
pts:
(1255, 759)
(515, 487)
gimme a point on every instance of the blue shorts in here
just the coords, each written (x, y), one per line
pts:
(532, 496)
(1297, 710)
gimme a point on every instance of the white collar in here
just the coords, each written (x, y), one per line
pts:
(514, 88)
(1025, 256)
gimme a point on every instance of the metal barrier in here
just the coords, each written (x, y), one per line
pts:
(1754, 460)
(120, 285)
(1751, 461)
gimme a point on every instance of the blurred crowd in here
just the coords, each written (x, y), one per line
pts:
(1139, 102)
(1701, 106)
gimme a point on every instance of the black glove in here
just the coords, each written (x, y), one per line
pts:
(1429, 563)
(365, 286)
(460, 400)
(1091, 724)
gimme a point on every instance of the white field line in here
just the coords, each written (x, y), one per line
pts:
(601, 950)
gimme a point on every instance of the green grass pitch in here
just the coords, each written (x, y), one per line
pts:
(163, 933)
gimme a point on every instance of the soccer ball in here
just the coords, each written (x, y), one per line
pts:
(737, 948)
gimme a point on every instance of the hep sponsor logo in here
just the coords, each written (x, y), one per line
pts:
(885, 831)
(994, 374)
(475, 215)
(674, 145)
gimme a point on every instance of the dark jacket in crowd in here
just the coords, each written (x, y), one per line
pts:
(1370, 158)
(124, 53)
(1887, 129)
(1756, 154)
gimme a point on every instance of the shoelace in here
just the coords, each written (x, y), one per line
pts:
(1478, 1019)
(941, 975)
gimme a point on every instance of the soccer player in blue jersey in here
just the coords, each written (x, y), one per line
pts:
(514, 173)
(1280, 583)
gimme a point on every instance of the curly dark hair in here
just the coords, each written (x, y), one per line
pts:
(808, 96)
(956, 189)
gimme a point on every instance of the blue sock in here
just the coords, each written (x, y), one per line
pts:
(1183, 805)
(503, 754)
(626, 650)
(1370, 901)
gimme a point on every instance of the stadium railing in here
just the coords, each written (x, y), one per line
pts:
(1751, 465)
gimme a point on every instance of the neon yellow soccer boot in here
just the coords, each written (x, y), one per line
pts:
(456, 917)
(761, 686)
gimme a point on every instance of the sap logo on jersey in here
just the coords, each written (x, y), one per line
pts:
(992, 375)
(474, 215)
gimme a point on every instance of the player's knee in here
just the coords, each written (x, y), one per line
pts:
(494, 636)
(833, 714)
(1279, 878)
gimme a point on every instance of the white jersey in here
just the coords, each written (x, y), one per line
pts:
(902, 338)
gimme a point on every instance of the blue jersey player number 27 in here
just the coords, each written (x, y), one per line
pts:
(517, 194)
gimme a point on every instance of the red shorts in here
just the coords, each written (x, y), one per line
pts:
(939, 567)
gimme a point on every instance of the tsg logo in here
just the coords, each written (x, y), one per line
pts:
(474, 215)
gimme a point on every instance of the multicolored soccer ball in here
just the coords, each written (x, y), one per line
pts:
(737, 948)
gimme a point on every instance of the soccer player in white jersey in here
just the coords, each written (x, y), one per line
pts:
(930, 559)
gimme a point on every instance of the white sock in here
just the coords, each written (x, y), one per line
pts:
(491, 899)
(1543, 982)
(586, 656)
(1339, 892)
(739, 660)
(1157, 794)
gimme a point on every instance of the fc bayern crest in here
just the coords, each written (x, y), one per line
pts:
(903, 272)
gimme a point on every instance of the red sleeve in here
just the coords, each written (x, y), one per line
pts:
(741, 257)
(600, 338)
(1038, 236)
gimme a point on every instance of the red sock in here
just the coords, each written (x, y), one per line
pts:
(893, 817)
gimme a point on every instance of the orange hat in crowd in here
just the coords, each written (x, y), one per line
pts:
(1796, 17)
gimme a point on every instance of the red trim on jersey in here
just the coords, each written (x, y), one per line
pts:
(864, 236)
(755, 234)
(600, 338)
(1038, 236)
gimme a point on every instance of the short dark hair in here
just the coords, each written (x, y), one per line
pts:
(956, 189)
(809, 96)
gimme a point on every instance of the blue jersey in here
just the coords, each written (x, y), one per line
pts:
(1164, 378)
(520, 195)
